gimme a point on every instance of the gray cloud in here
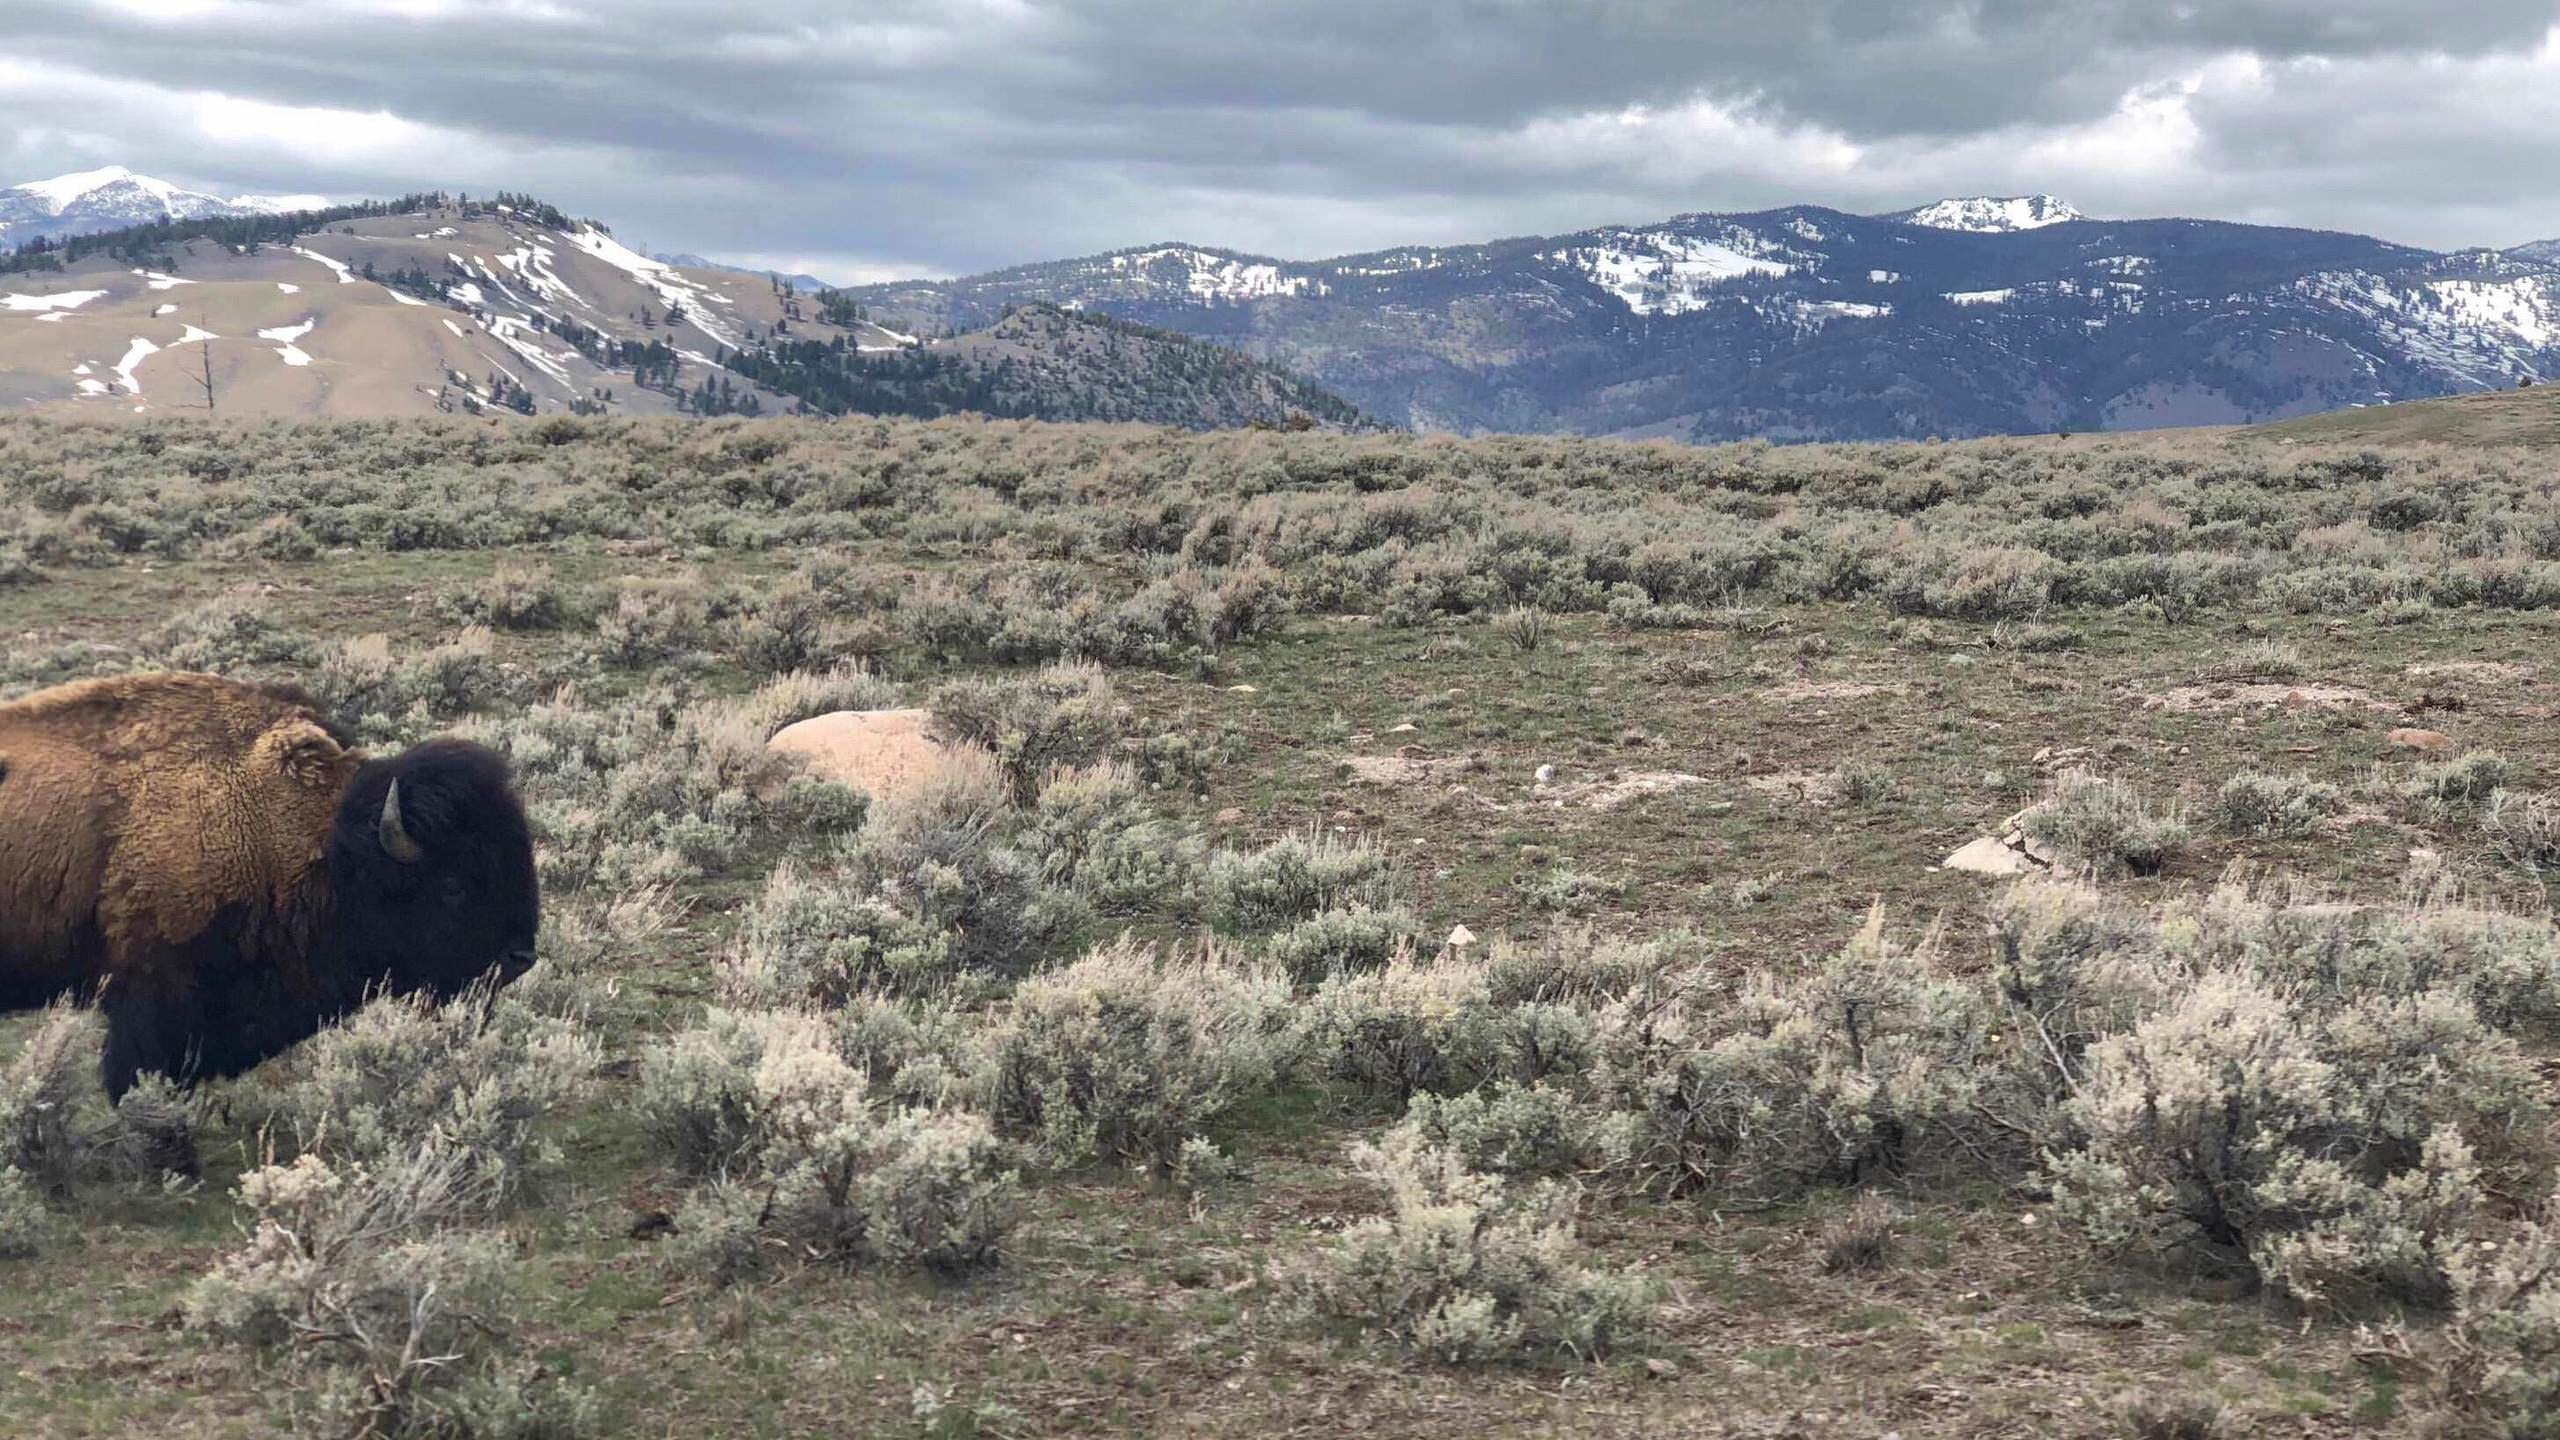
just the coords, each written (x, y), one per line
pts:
(960, 134)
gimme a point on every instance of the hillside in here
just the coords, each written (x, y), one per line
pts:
(455, 305)
(2498, 417)
(1968, 317)
(1044, 363)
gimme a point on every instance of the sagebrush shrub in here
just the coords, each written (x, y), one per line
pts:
(480, 1076)
(2252, 802)
(1295, 878)
(2102, 824)
(1096, 836)
(518, 595)
(366, 1271)
(1338, 941)
(2505, 1333)
(1870, 1065)
(2331, 1149)
(1507, 1128)
(1467, 1269)
(1124, 1054)
(942, 859)
(805, 1159)
(2524, 828)
(40, 1088)
(363, 679)
(1065, 714)
(653, 622)
(229, 635)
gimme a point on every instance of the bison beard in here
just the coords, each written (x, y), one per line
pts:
(210, 864)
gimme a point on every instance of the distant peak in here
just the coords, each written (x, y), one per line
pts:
(1991, 214)
(63, 190)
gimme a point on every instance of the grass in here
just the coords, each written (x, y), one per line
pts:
(1126, 1306)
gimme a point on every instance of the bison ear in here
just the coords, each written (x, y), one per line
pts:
(394, 830)
(303, 753)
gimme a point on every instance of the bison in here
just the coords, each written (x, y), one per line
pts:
(212, 864)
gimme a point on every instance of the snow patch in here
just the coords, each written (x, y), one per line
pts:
(159, 310)
(345, 275)
(1980, 297)
(288, 289)
(158, 281)
(456, 329)
(1655, 272)
(406, 298)
(1884, 277)
(134, 355)
(59, 300)
(671, 288)
(1991, 214)
(285, 335)
(1213, 277)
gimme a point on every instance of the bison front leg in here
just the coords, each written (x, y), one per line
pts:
(148, 1033)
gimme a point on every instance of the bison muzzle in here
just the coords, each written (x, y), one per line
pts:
(213, 865)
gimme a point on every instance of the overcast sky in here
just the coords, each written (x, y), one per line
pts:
(873, 138)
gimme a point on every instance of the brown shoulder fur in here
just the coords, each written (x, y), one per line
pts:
(137, 808)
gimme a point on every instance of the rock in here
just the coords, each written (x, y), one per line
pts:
(1230, 816)
(1406, 728)
(884, 753)
(1460, 937)
(1546, 775)
(2430, 742)
(1242, 690)
(1661, 1369)
(1987, 856)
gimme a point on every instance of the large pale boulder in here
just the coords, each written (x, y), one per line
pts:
(885, 753)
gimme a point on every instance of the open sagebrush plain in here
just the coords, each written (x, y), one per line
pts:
(1407, 937)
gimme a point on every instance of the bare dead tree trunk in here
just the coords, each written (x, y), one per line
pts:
(206, 379)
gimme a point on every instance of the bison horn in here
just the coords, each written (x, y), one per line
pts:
(395, 835)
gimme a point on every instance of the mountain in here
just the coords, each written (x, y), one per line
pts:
(91, 202)
(797, 280)
(1965, 317)
(440, 304)
(1990, 214)
(1040, 362)
(2544, 251)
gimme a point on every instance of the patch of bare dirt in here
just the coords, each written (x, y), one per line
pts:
(1818, 789)
(2271, 695)
(1801, 690)
(2486, 672)
(1610, 792)
(1406, 766)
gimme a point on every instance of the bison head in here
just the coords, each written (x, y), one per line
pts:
(431, 873)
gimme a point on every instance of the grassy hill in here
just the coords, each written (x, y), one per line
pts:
(2497, 417)
(1135, 1079)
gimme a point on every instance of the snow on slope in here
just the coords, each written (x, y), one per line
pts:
(285, 335)
(62, 300)
(1991, 214)
(672, 287)
(1213, 277)
(1663, 272)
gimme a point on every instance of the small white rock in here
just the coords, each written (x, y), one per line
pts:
(1546, 774)
(1460, 937)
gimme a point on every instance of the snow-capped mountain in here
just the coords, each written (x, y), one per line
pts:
(438, 303)
(1965, 317)
(2545, 251)
(89, 202)
(1990, 214)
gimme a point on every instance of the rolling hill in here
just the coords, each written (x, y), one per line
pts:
(1991, 315)
(443, 304)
